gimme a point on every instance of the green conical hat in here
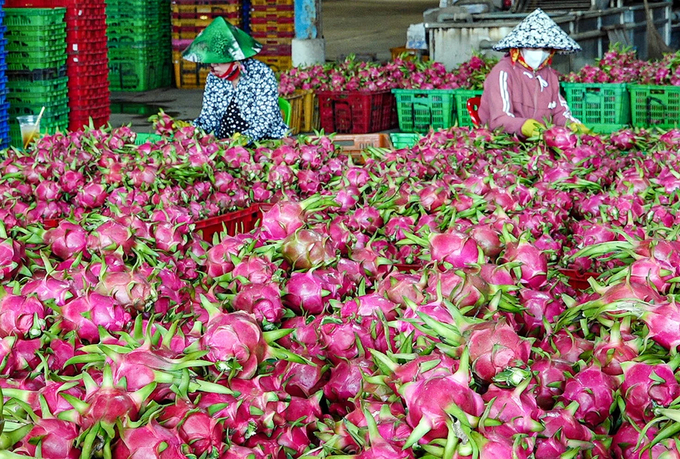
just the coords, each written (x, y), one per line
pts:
(220, 43)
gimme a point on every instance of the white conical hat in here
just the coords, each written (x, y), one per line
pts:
(538, 31)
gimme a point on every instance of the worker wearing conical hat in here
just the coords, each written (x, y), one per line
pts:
(241, 93)
(522, 92)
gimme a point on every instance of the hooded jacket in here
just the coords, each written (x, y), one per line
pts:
(513, 94)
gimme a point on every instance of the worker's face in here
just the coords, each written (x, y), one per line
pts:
(534, 57)
(223, 70)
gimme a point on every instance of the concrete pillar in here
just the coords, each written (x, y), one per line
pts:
(309, 46)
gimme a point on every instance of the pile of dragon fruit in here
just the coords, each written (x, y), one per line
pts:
(430, 303)
(620, 65)
(401, 73)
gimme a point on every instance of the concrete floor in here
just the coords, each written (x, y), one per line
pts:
(362, 27)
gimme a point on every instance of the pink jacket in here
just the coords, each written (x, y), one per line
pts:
(513, 94)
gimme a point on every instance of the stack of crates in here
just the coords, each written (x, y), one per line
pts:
(136, 48)
(4, 104)
(272, 23)
(36, 68)
(87, 69)
(165, 74)
(189, 18)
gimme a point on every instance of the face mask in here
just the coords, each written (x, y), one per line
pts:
(233, 72)
(534, 57)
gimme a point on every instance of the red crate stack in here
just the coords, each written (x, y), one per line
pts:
(88, 63)
(272, 23)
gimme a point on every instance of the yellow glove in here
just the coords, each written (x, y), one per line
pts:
(236, 135)
(531, 127)
(579, 128)
(180, 124)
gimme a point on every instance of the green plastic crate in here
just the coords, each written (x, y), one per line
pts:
(655, 106)
(143, 138)
(52, 110)
(20, 41)
(37, 87)
(462, 96)
(404, 139)
(40, 33)
(45, 52)
(34, 63)
(133, 75)
(33, 17)
(420, 110)
(603, 107)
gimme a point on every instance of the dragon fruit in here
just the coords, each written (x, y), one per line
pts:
(594, 392)
(88, 312)
(646, 387)
(432, 401)
(21, 316)
(495, 347)
(559, 137)
(306, 249)
(66, 240)
(150, 440)
(533, 263)
(261, 300)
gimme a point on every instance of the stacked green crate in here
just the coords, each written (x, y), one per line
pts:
(36, 68)
(135, 44)
(167, 66)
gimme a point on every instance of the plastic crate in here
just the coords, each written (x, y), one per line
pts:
(274, 38)
(310, 112)
(461, 96)
(218, 8)
(188, 75)
(354, 144)
(232, 223)
(34, 17)
(277, 63)
(404, 139)
(38, 40)
(278, 8)
(31, 64)
(132, 75)
(23, 98)
(270, 2)
(420, 110)
(38, 87)
(272, 28)
(655, 106)
(601, 107)
(143, 138)
(272, 18)
(296, 106)
(576, 279)
(37, 75)
(46, 52)
(276, 50)
(355, 112)
(94, 45)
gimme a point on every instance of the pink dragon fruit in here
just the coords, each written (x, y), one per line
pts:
(261, 300)
(515, 408)
(645, 387)
(533, 263)
(54, 438)
(282, 220)
(551, 376)
(495, 347)
(306, 249)
(234, 342)
(195, 427)
(594, 392)
(66, 240)
(129, 288)
(88, 312)
(151, 440)
(21, 316)
(429, 402)
(455, 248)
(305, 292)
(559, 137)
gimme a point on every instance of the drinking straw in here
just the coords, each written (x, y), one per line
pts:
(35, 126)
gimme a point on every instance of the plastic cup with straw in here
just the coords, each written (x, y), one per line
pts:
(30, 127)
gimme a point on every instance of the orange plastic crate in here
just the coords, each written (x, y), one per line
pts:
(273, 28)
(355, 144)
(270, 2)
(277, 63)
(232, 223)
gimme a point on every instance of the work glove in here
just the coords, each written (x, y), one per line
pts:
(579, 128)
(180, 124)
(531, 128)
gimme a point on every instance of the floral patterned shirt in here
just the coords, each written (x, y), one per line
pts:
(257, 97)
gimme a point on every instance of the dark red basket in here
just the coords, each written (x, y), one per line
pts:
(356, 112)
(578, 280)
(233, 223)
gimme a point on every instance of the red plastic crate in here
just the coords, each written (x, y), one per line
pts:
(271, 8)
(356, 112)
(271, 19)
(79, 34)
(273, 38)
(50, 3)
(578, 280)
(276, 50)
(85, 12)
(233, 223)
(87, 80)
(92, 46)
